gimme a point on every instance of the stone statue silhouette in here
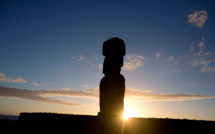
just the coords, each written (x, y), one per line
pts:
(112, 85)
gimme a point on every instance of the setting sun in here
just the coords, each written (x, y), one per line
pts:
(129, 112)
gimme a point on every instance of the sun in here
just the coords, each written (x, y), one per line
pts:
(129, 112)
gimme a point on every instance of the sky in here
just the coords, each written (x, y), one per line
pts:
(51, 56)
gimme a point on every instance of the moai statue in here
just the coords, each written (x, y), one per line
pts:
(112, 85)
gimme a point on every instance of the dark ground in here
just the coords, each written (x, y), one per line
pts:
(49, 123)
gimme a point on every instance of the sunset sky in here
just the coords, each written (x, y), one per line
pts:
(51, 56)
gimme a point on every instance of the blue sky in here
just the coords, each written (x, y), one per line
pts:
(51, 56)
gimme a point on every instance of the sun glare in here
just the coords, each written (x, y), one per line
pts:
(129, 112)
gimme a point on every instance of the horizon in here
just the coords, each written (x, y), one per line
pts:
(16, 117)
(51, 56)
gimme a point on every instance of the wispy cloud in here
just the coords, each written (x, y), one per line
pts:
(192, 47)
(207, 69)
(41, 95)
(131, 93)
(36, 84)
(139, 94)
(133, 61)
(205, 65)
(100, 66)
(43, 84)
(198, 18)
(171, 60)
(202, 57)
(176, 70)
(3, 78)
(201, 48)
(197, 62)
(158, 55)
(80, 58)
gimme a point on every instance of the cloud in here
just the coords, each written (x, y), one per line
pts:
(3, 78)
(207, 69)
(205, 65)
(41, 84)
(100, 66)
(158, 55)
(36, 84)
(200, 62)
(139, 94)
(201, 48)
(171, 63)
(192, 47)
(131, 94)
(18, 80)
(15, 80)
(198, 18)
(202, 57)
(170, 59)
(133, 62)
(176, 70)
(80, 58)
(41, 95)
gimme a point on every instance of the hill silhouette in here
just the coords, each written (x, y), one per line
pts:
(9, 117)
(83, 124)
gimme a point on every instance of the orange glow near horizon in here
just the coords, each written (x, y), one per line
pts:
(129, 112)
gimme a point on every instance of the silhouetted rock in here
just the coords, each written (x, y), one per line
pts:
(112, 85)
(112, 65)
(111, 70)
(114, 47)
(112, 90)
(113, 61)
